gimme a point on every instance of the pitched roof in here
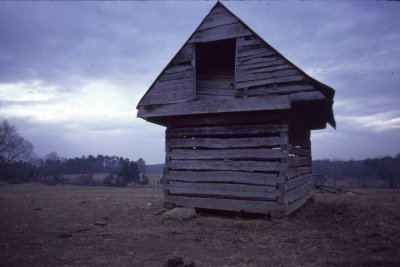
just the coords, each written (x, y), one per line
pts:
(175, 84)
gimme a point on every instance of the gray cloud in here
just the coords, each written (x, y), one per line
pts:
(91, 62)
(57, 41)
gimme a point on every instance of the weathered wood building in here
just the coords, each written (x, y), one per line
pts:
(238, 117)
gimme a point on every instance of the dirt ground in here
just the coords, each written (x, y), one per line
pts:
(102, 226)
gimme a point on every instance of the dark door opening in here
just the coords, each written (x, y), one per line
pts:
(215, 70)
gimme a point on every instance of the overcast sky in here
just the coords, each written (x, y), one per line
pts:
(71, 73)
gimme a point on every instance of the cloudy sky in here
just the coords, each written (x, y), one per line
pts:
(71, 73)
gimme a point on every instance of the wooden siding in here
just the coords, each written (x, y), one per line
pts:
(215, 87)
(217, 17)
(176, 83)
(207, 167)
(300, 180)
(218, 25)
(260, 71)
(237, 138)
(250, 168)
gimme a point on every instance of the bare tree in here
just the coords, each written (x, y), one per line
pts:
(13, 147)
(52, 156)
(52, 164)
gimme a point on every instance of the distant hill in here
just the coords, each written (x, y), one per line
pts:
(155, 168)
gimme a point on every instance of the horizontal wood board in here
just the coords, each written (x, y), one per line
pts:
(299, 181)
(249, 142)
(258, 67)
(226, 165)
(215, 106)
(299, 192)
(298, 203)
(176, 83)
(227, 154)
(238, 177)
(228, 130)
(214, 88)
(217, 17)
(297, 171)
(225, 190)
(251, 206)
(220, 32)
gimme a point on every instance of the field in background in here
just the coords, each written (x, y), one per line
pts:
(97, 176)
(76, 179)
(67, 225)
(154, 179)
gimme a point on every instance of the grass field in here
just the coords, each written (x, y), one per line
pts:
(102, 226)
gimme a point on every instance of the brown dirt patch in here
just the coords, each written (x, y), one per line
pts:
(103, 226)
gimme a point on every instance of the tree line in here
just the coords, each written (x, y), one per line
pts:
(18, 163)
(371, 172)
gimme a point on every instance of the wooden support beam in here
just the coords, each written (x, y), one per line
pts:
(215, 106)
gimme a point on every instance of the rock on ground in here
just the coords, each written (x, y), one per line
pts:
(179, 214)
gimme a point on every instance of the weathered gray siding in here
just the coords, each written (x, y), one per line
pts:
(238, 121)
(252, 165)
(176, 83)
(219, 25)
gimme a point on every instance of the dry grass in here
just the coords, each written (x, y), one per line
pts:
(101, 226)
